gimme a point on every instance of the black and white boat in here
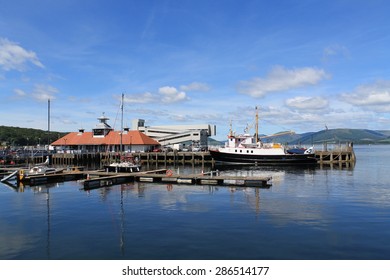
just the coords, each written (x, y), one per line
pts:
(249, 149)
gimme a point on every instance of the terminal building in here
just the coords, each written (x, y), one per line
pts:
(169, 135)
(103, 138)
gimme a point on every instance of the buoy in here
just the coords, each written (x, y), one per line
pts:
(21, 174)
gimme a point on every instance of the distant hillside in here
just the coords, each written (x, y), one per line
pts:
(357, 136)
(213, 142)
(17, 136)
(287, 138)
(385, 132)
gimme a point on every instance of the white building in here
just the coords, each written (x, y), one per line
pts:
(197, 135)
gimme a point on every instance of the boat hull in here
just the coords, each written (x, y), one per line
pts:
(286, 159)
(45, 172)
(122, 169)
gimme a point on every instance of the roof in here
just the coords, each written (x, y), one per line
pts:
(133, 137)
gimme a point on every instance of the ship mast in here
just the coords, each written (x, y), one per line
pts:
(121, 148)
(231, 129)
(48, 125)
(257, 125)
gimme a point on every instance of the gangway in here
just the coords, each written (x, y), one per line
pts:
(13, 174)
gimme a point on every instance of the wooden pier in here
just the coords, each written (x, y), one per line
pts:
(147, 158)
(101, 179)
(343, 156)
(97, 179)
(340, 155)
(53, 178)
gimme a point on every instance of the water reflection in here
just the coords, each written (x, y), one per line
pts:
(13, 186)
(22, 232)
(14, 240)
(308, 213)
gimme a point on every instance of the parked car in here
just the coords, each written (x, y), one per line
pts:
(167, 149)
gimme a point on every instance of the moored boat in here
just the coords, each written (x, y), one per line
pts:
(43, 170)
(38, 170)
(249, 149)
(127, 164)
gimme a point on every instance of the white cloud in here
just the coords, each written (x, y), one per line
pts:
(165, 94)
(179, 118)
(284, 118)
(146, 97)
(195, 86)
(335, 50)
(172, 95)
(282, 79)
(20, 93)
(307, 103)
(375, 96)
(44, 92)
(14, 57)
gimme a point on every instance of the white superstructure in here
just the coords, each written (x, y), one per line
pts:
(197, 134)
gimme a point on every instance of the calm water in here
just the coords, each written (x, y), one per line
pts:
(306, 214)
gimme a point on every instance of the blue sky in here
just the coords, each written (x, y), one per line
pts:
(305, 64)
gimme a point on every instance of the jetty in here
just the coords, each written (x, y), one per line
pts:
(340, 155)
(328, 154)
(101, 178)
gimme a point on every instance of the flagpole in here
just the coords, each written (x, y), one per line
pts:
(48, 124)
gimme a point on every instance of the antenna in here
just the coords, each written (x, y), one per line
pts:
(231, 129)
(257, 125)
(48, 124)
(123, 95)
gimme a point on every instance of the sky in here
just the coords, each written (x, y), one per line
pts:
(305, 64)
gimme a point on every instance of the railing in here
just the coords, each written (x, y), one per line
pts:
(339, 147)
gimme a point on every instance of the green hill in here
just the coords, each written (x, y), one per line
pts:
(17, 136)
(357, 136)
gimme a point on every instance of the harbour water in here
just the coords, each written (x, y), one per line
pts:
(308, 214)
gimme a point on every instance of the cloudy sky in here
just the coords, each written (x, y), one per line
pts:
(305, 64)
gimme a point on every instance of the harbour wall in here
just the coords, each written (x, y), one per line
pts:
(342, 155)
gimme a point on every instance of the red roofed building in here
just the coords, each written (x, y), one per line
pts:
(103, 138)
